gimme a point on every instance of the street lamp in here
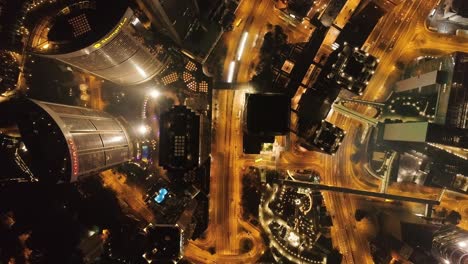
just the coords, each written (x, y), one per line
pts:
(154, 93)
(143, 129)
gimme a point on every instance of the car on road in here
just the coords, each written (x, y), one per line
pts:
(238, 22)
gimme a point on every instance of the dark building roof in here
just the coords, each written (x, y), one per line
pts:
(447, 170)
(352, 68)
(425, 81)
(267, 114)
(418, 235)
(384, 247)
(457, 116)
(80, 25)
(361, 24)
(313, 108)
(9, 71)
(315, 103)
(461, 7)
(163, 244)
(331, 12)
(425, 132)
(179, 139)
(10, 13)
(305, 59)
(175, 19)
(327, 138)
(450, 136)
(253, 144)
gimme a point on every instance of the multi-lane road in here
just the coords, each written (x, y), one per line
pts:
(399, 36)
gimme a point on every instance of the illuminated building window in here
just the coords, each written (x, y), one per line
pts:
(188, 77)
(192, 86)
(203, 87)
(80, 25)
(170, 78)
(179, 146)
(191, 66)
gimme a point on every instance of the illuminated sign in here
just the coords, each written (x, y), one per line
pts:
(111, 35)
(74, 157)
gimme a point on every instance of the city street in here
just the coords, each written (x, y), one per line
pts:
(400, 35)
(357, 170)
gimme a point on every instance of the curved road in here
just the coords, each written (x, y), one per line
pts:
(400, 35)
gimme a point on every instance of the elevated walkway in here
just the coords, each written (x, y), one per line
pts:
(323, 187)
(355, 115)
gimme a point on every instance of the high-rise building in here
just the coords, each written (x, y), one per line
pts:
(450, 244)
(361, 24)
(446, 78)
(425, 83)
(9, 71)
(425, 132)
(107, 40)
(457, 109)
(352, 69)
(330, 13)
(179, 139)
(266, 115)
(409, 238)
(66, 143)
(173, 18)
(165, 243)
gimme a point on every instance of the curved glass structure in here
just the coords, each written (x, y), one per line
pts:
(67, 142)
(105, 40)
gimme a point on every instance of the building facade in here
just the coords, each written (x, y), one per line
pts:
(450, 244)
(66, 143)
(425, 132)
(179, 139)
(361, 24)
(173, 18)
(108, 41)
(446, 78)
(353, 69)
(457, 109)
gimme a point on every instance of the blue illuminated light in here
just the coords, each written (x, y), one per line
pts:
(145, 152)
(161, 195)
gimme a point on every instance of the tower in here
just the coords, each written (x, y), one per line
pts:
(445, 78)
(180, 139)
(361, 24)
(66, 143)
(450, 243)
(107, 40)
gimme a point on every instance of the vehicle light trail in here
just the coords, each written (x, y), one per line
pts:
(232, 67)
(242, 45)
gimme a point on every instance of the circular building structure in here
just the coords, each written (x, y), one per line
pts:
(103, 38)
(66, 143)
